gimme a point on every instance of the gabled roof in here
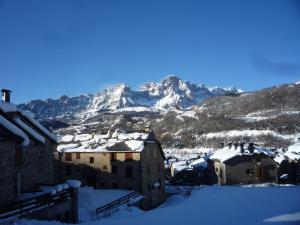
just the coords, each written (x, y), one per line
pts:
(22, 124)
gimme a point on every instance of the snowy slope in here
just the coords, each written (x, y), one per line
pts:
(214, 205)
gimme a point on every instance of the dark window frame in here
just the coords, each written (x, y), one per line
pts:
(68, 156)
(92, 159)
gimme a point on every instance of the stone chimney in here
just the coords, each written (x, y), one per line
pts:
(229, 145)
(242, 147)
(6, 95)
(235, 146)
(251, 147)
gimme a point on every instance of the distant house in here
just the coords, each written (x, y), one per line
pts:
(120, 160)
(27, 163)
(191, 172)
(240, 165)
(289, 164)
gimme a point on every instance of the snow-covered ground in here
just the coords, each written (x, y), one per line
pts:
(210, 205)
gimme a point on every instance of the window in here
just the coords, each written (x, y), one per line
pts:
(77, 155)
(148, 169)
(128, 156)
(92, 159)
(68, 156)
(129, 171)
(114, 169)
(68, 170)
(249, 171)
(113, 156)
(115, 185)
(104, 167)
(217, 170)
(19, 156)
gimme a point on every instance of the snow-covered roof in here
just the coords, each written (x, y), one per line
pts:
(278, 155)
(189, 164)
(117, 141)
(17, 126)
(14, 129)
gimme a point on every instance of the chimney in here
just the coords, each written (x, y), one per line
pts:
(6, 95)
(242, 147)
(229, 145)
(251, 147)
(235, 146)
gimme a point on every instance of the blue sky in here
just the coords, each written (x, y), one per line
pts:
(49, 48)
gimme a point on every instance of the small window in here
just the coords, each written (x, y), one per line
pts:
(68, 170)
(250, 171)
(104, 167)
(113, 156)
(92, 159)
(148, 169)
(129, 171)
(114, 169)
(68, 156)
(77, 155)
(115, 185)
(128, 156)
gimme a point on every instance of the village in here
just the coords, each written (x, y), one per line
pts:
(41, 173)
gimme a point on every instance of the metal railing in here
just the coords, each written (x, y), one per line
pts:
(21, 208)
(118, 202)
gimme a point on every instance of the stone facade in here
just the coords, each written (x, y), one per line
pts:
(8, 173)
(27, 163)
(292, 169)
(247, 169)
(141, 171)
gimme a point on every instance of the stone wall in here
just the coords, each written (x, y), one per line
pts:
(100, 172)
(153, 172)
(38, 165)
(250, 169)
(8, 175)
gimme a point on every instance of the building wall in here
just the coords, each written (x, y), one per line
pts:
(250, 169)
(7, 172)
(100, 173)
(38, 165)
(152, 163)
(292, 168)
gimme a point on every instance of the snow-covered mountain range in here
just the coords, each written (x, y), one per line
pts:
(170, 92)
(182, 114)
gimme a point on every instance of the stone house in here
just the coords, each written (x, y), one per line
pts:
(27, 160)
(289, 164)
(133, 161)
(192, 172)
(244, 166)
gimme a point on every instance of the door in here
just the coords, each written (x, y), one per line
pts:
(259, 173)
